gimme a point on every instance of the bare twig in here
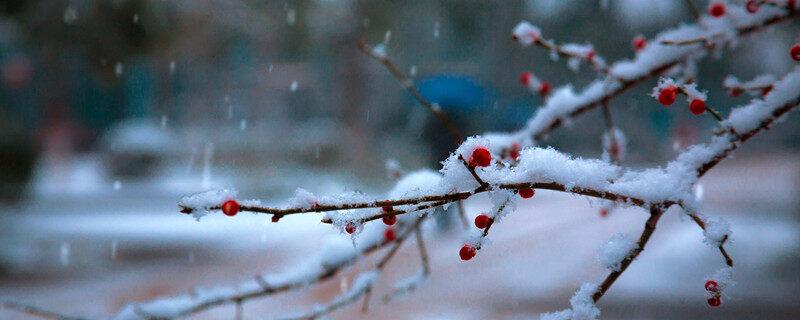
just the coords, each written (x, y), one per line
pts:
(37, 312)
(423, 254)
(408, 84)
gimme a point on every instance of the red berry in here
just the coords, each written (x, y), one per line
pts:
(712, 286)
(525, 78)
(591, 54)
(387, 208)
(603, 212)
(714, 301)
(639, 43)
(350, 228)
(276, 218)
(514, 152)
(667, 95)
(752, 6)
(697, 106)
(482, 221)
(526, 193)
(544, 88)
(230, 208)
(389, 220)
(467, 252)
(735, 92)
(389, 235)
(480, 157)
(795, 52)
(613, 150)
(716, 9)
(766, 91)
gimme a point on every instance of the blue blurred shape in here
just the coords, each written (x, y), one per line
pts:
(457, 93)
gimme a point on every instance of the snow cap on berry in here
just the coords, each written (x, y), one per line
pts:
(663, 83)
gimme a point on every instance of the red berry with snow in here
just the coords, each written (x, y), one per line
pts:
(766, 91)
(716, 9)
(350, 228)
(697, 106)
(795, 52)
(714, 301)
(591, 55)
(752, 6)
(389, 235)
(467, 252)
(481, 157)
(544, 88)
(482, 221)
(604, 212)
(526, 193)
(712, 286)
(639, 43)
(525, 78)
(230, 208)
(667, 95)
(735, 92)
(389, 220)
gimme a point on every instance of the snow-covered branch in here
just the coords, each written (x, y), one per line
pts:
(651, 61)
(548, 169)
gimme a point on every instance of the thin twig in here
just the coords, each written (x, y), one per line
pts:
(37, 312)
(702, 224)
(649, 228)
(462, 214)
(423, 254)
(408, 84)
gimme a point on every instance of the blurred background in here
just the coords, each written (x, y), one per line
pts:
(110, 111)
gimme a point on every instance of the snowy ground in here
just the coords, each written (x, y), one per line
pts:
(72, 254)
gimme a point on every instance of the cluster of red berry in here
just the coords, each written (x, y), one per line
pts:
(669, 93)
(716, 294)
(529, 80)
(389, 220)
